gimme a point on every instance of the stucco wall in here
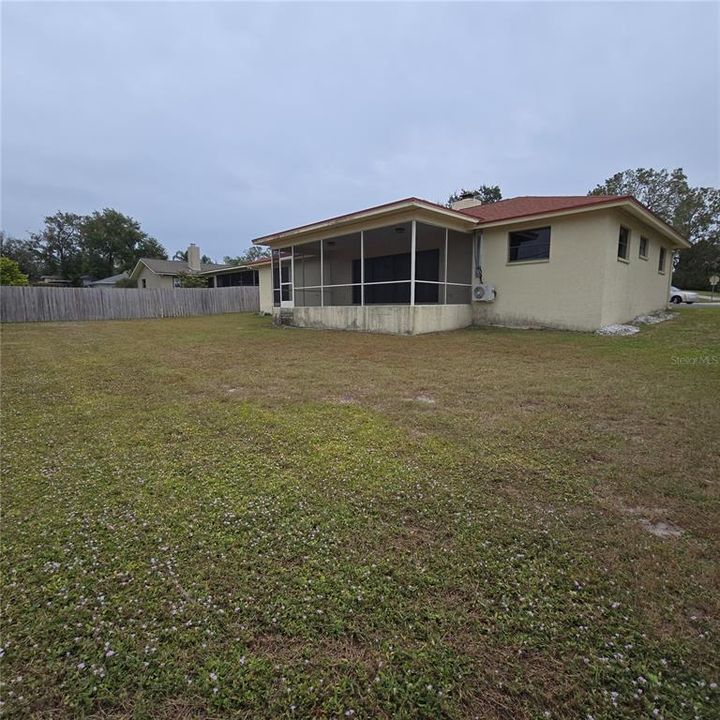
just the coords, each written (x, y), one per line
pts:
(265, 281)
(396, 319)
(154, 281)
(634, 287)
(582, 286)
(565, 291)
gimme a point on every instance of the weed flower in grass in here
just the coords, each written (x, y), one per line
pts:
(435, 546)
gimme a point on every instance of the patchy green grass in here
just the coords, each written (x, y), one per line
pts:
(212, 517)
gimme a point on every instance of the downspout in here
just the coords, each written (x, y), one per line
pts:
(477, 243)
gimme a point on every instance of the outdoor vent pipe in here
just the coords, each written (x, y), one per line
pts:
(477, 242)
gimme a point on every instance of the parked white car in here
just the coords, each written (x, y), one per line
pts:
(678, 296)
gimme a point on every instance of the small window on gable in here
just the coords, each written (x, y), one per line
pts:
(644, 243)
(525, 245)
(144, 282)
(624, 243)
(661, 260)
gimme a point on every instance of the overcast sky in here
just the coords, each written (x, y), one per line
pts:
(219, 122)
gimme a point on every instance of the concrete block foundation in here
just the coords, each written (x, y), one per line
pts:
(394, 319)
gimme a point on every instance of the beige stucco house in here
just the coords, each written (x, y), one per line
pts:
(411, 266)
(155, 273)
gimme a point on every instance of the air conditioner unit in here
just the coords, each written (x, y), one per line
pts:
(484, 293)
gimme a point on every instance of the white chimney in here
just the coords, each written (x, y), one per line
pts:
(465, 203)
(194, 258)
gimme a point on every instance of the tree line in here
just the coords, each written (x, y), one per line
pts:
(102, 244)
(73, 246)
(107, 243)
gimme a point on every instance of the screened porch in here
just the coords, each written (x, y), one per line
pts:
(408, 263)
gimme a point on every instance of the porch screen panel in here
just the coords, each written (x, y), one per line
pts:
(339, 254)
(306, 260)
(387, 265)
(458, 287)
(459, 294)
(429, 264)
(307, 297)
(340, 295)
(429, 293)
(430, 238)
(459, 258)
(276, 277)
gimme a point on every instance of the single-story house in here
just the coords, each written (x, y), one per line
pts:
(412, 266)
(155, 273)
(238, 275)
(254, 272)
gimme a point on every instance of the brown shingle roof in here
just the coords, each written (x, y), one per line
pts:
(535, 205)
(497, 212)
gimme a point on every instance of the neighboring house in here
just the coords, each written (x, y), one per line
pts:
(108, 281)
(155, 273)
(254, 272)
(411, 266)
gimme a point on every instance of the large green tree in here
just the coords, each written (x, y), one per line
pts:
(25, 252)
(485, 193)
(188, 280)
(693, 211)
(10, 273)
(60, 247)
(71, 245)
(113, 242)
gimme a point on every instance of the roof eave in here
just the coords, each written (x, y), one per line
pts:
(638, 208)
(368, 214)
(680, 241)
(137, 265)
(223, 269)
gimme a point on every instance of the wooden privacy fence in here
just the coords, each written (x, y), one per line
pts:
(39, 304)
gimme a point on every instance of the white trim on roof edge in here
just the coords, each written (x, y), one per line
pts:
(369, 213)
(473, 222)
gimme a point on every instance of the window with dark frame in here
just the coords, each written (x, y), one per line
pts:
(623, 243)
(527, 245)
(661, 260)
(643, 252)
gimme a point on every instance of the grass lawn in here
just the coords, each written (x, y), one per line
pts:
(213, 517)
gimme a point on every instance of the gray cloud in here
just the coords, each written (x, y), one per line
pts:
(219, 122)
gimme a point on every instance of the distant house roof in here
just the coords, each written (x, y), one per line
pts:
(176, 267)
(109, 280)
(249, 265)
